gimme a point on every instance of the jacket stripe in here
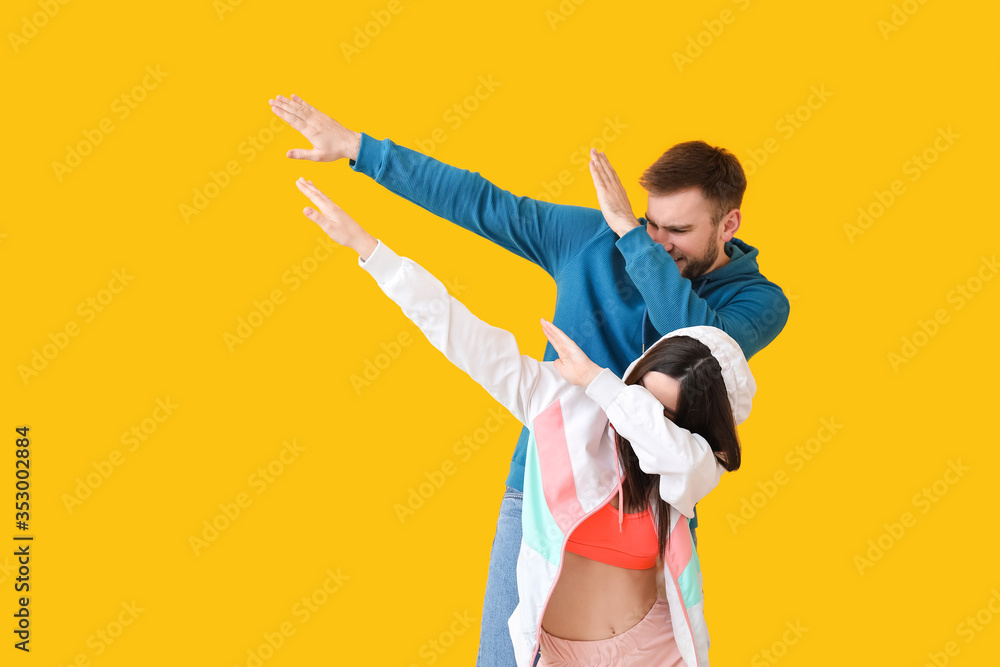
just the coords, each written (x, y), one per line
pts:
(682, 559)
(690, 582)
(539, 528)
(679, 547)
(557, 479)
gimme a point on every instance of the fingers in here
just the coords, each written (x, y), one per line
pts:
(295, 104)
(282, 105)
(566, 363)
(285, 112)
(604, 165)
(564, 345)
(309, 185)
(312, 192)
(611, 193)
(304, 185)
(608, 174)
(320, 198)
(549, 334)
(296, 98)
(597, 171)
(612, 174)
(597, 175)
(556, 337)
(556, 331)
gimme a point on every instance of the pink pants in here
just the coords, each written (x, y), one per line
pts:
(649, 643)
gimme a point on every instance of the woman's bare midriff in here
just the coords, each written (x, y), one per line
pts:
(593, 600)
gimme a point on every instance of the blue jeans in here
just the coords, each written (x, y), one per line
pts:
(495, 647)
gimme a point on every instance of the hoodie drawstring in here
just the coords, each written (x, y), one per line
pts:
(618, 474)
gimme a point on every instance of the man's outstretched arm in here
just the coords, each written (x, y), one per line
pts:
(544, 233)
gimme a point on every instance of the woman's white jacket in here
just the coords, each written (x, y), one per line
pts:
(571, 466)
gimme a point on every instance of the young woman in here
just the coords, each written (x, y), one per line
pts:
(607, 571)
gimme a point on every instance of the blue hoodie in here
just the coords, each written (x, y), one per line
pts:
(614, 296)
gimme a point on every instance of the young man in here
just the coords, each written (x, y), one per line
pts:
(622, 282)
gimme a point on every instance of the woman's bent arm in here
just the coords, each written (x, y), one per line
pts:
(685, 462)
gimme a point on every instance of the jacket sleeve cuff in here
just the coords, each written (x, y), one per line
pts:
(383, 263)
(605, 388)
(635, 242)
(369, 160)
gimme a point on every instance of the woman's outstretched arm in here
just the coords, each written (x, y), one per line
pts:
(488, 354)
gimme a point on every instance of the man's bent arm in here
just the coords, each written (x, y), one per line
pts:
(753, 318)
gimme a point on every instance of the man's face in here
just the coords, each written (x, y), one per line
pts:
(682, 223)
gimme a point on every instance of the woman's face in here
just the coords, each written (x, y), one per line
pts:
(666, 389)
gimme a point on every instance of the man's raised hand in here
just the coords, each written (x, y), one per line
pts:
(330, 140)
(611, 195)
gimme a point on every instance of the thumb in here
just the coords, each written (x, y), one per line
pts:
(303, 154)
(314, 215)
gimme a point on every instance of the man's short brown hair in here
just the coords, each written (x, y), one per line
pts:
(715, 171)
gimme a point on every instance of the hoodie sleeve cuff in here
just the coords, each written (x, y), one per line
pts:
(383, 263)
(369, 154)
(605, 388)
(633, 243)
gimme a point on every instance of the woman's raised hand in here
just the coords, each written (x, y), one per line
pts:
(575, 366)
(611, 195)
(335, 222)
(330, 140)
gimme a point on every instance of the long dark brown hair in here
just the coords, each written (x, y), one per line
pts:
(702, 408)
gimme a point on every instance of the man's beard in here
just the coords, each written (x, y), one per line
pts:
(695, 266)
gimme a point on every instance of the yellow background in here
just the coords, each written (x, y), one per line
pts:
(563, 72)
